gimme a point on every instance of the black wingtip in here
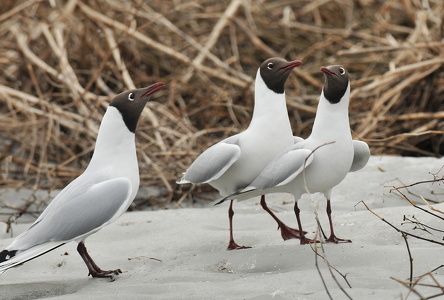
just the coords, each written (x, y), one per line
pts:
(6, 255)
(221, 201)
(233, 196)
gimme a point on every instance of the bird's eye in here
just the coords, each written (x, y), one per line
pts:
(270, 66)
(131, 97)
(341, 71)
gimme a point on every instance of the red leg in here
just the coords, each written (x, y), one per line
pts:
(93, 269)
(304, 240)
(286, 232)
(232, 244)
(333, 238)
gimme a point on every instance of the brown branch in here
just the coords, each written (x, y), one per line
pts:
(412, 284)
(214, 36)
(344, 276)
(399, 230)
(372, 50)
(416, 183)
(19, 8)
(430, 206)
(158, 46)
(158, 17)
(415, 205)
(410, 257)
(413, 134)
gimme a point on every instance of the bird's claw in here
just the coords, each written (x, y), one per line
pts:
(305, 241)
(105, 274)
(233, 246)
(335, 240)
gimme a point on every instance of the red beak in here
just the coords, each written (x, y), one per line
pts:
(153, 88)
(291, 65)
(327, 71)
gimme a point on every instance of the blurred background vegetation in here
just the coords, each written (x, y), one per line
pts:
(61, 62)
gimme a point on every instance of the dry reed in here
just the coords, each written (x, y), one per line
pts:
(62, 61)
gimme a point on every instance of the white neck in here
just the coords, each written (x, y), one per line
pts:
(332, 119)
(114, 141)
(269, 106)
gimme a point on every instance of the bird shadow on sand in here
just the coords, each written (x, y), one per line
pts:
(41, 289)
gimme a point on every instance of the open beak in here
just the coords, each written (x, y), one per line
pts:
(153, 88)
(291, 65)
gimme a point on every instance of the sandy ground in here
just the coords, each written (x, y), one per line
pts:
(180, 254)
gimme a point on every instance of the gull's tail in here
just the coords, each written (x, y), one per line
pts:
(13, 258)
(242, 195)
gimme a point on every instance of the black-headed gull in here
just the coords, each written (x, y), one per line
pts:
(320, 162)
(98, 196)
(233, 163)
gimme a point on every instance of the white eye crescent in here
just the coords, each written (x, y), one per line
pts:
(270, 66)
(131, 97)
(341, 71)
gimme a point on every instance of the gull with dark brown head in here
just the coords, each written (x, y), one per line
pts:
(233, 163)
(320, 162)
(97, 197)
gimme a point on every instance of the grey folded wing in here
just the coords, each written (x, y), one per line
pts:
(284, 168)
(212, 163)
(361, 155)
(74, 217)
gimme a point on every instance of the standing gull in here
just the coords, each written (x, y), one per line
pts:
(98, 196)
(320, 162)
(233, 163)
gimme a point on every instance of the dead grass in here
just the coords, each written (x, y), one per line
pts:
(62, 61)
